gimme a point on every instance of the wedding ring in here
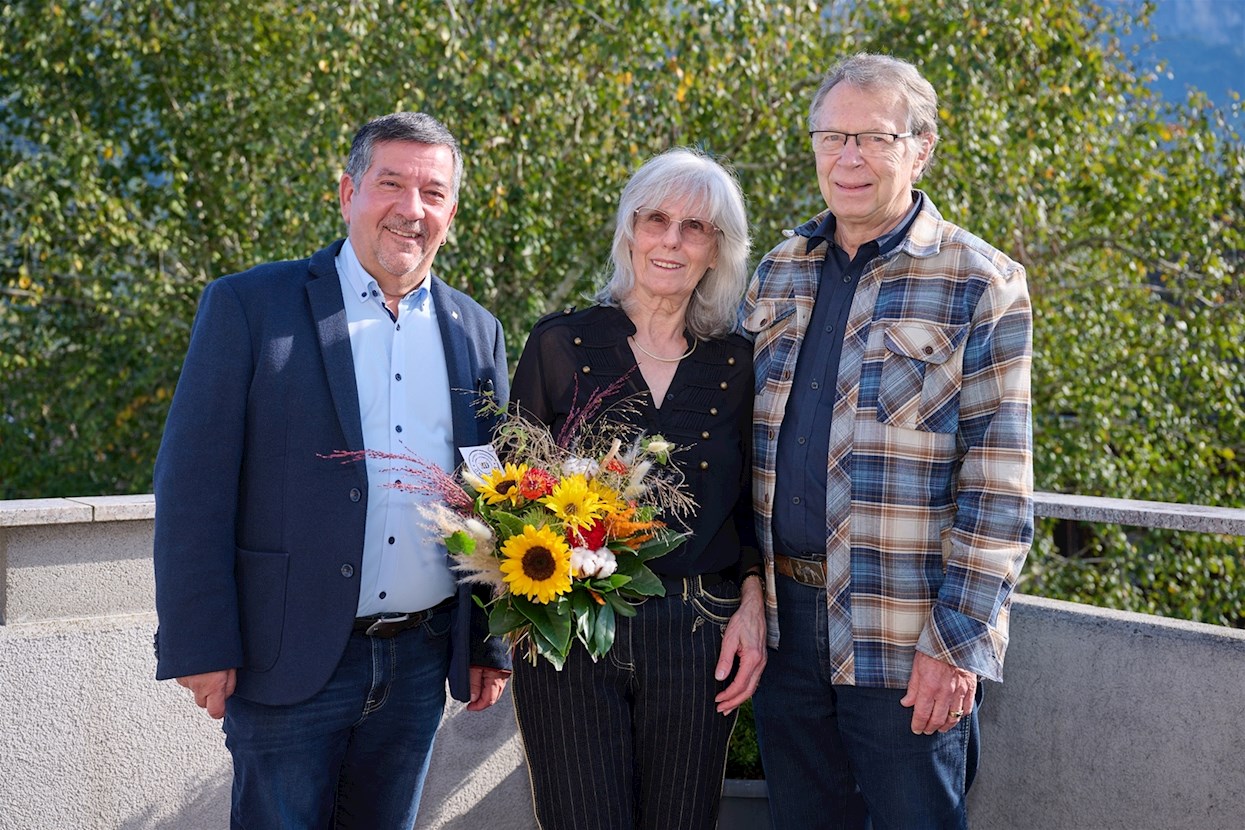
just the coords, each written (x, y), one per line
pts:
(958, 713)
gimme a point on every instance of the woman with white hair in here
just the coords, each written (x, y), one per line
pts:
(638, 739)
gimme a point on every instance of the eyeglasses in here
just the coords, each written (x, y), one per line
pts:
(870, 144)
(693, 231)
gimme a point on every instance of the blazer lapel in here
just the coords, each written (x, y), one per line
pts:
(329, 315)
(458, 364)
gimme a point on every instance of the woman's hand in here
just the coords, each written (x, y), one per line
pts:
(744, 638)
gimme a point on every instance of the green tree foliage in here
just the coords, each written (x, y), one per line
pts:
(148, 147)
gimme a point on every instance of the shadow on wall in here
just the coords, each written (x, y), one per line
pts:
(206, 809)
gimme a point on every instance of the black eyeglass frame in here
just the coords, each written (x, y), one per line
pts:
(812, 134)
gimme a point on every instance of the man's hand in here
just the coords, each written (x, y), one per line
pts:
(744, 637)
(939, 694)
(212, 689)
(487, 684)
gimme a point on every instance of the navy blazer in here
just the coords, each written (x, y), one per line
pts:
(259, 540)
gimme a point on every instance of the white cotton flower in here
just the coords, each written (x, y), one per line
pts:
(583, 562)
(585, 467)
(607, 562)
(660, 447)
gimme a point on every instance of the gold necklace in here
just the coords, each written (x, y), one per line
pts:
(688, 353)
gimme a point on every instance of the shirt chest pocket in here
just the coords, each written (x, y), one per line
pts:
(922, 372)
(767, 325)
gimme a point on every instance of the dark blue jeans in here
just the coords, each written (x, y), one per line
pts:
(633, 740)
(844, 757)
(356, 754)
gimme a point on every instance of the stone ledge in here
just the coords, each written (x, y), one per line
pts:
(30, 512)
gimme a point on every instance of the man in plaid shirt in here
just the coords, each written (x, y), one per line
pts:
(892, 472)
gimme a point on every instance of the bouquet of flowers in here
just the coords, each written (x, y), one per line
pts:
(561, 529)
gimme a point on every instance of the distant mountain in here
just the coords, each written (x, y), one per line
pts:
(1202, 43)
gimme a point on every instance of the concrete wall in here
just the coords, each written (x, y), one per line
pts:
(90, 741)
(1107, 719)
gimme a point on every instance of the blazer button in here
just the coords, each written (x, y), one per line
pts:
(730, 361)
(723, 384)
(587, 370)
(705, 435)
(704, 465)
(579, 341)
(347, 570)
(355, 495)
(713, 410)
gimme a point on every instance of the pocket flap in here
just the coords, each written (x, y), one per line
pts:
(927, 342)
(766, 315)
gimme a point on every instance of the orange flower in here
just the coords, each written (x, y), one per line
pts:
(620, 527)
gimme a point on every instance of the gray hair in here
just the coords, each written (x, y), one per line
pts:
(883, 73)
(687, 173)
(401, 126)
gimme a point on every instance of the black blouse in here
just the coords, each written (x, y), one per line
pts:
(707, 413)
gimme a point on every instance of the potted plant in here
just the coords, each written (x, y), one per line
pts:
(745, 799)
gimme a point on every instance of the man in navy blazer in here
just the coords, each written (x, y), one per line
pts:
(300, 598)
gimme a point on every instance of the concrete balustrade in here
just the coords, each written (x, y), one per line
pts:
(1107, 719)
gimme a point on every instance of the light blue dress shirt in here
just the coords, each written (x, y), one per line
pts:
(404, 401)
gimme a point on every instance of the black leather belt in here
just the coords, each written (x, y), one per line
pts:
(388, 625)
(683, 584)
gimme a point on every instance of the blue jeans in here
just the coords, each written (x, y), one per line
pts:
(633, 741)
(844, 757)
(354, 755)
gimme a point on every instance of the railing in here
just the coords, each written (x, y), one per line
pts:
(1106, 719)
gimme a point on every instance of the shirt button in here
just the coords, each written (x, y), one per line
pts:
(398, 327)
(364, 295)
(847, 278)
(375, 293)
(382, 594)
(391, 540)
(829, 329)
(355, 495)
(398, 428)
(669, 396)
(347, 571)
(398, 376)
(801, 440)
(928, 350)
(771, 435)
(795, 500)
(786, 375)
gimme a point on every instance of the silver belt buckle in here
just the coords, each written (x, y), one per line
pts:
(372, 629)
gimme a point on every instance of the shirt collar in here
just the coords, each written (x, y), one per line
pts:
(886, 242)
(363, 286)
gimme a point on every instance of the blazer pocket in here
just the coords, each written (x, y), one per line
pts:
(921, 376)
(766, 326)
(262, 577)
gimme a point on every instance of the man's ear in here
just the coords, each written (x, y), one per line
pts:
(345, 192)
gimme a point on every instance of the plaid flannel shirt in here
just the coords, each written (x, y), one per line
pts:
(929, 497)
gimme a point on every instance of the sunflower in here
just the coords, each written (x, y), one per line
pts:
(537, 564)
(611, 501)
(501, 486)
(575, 502)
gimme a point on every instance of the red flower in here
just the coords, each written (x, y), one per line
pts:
(592, 537)
(537, 484)
(616, 466)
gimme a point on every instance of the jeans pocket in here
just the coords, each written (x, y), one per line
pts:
(717, 604)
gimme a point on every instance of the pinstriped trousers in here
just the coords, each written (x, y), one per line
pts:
(633, 741)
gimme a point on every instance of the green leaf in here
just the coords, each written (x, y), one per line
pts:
(505, 618)
(644, 583)
(460, 541)
(603, 635)
(664, 542)
(552, 620)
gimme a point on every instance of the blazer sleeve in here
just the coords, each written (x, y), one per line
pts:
(196, 489)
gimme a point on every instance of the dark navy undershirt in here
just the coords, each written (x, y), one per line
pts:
(804, 441)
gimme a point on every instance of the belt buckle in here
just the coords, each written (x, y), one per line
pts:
(810, 573)
(381, 622)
